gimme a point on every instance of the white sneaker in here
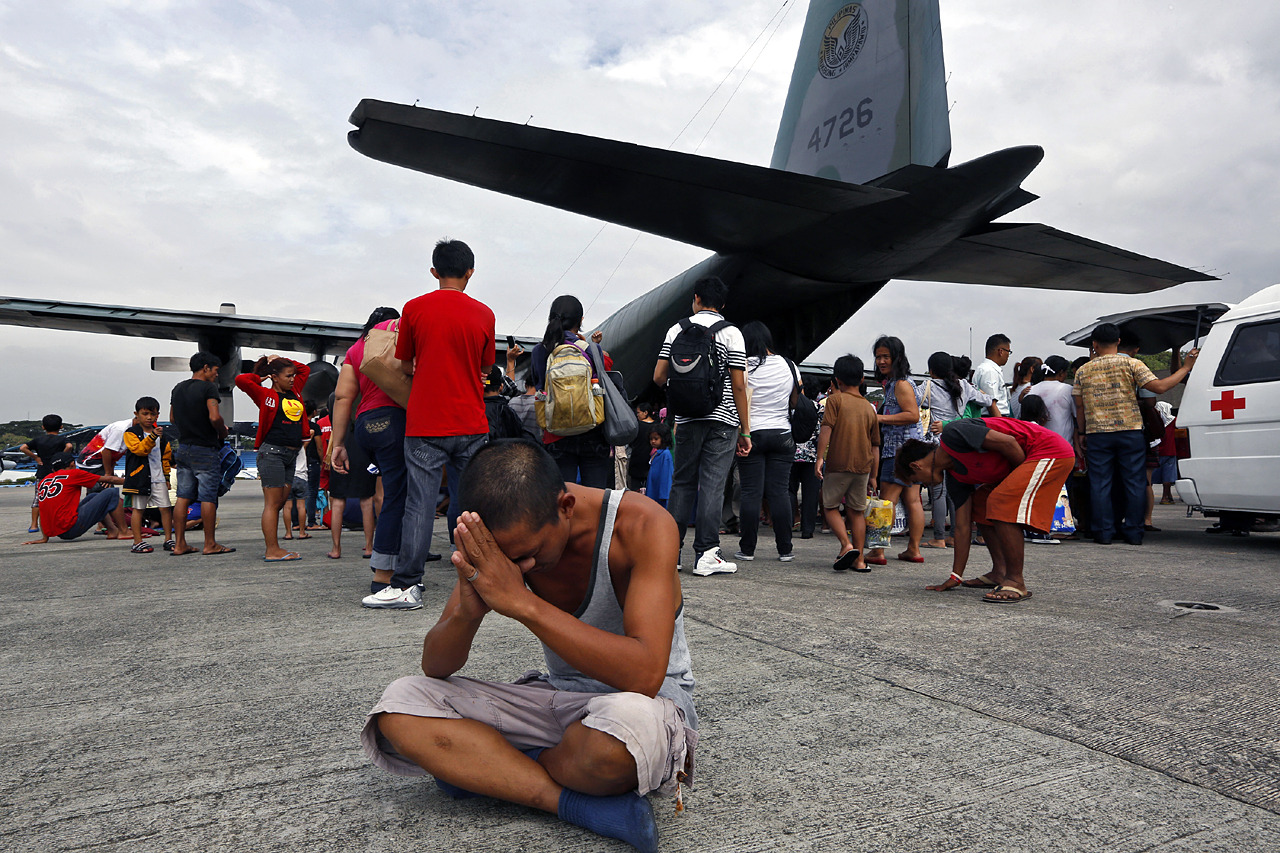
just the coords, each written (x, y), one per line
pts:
(711, 563)
(391, 598)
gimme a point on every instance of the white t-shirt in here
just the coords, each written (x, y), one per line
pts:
(1060, 405)
(988, 378)
(770, 382)
(733, 352)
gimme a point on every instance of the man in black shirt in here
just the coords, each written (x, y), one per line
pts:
(43, 448)
(193, 410)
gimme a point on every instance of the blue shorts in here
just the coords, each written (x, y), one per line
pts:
(1166, 471)
(199, 473)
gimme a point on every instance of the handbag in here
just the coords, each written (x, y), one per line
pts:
(926, 413)
(621, 426)
(381, 366)
(804, 417)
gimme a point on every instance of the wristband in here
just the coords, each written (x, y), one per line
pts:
(745, 434)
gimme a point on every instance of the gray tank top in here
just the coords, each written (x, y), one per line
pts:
(600, 609)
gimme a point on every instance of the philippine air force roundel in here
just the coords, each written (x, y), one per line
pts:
(842, 40)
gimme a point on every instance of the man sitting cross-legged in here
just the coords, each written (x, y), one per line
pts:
(589, 572)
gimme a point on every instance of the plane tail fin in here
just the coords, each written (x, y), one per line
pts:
(868, 95)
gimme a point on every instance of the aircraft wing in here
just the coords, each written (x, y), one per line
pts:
(157, 323)
(1034, 255)
(717, 204)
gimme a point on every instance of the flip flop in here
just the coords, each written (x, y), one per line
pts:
(33, 529)
(304, 536)
(184, 553)
(938, 547)
(979, 583)
(1023, 595)
(876, 561)
(289, 557)
(331, 557)
(223, 550)
(904, 558)
(845, 561)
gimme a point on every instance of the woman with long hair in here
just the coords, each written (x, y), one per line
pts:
(1024, 373)
(379, 433)
(899, 421)
(282, 427)
(582, 458)
(766, 471)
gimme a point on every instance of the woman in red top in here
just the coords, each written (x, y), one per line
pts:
(282, 427)
(1004, 474)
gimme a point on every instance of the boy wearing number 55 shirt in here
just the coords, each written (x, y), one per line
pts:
(63, 513)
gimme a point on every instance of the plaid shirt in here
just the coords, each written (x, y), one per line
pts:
(1107, 387)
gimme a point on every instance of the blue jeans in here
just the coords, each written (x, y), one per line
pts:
(583, 458)
(426, 458)
(766, 473)
(380, 434)
(93, 508)
(199, 473)
(702, 454)
(1117, 472)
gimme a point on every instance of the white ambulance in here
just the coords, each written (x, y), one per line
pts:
(1231, 412)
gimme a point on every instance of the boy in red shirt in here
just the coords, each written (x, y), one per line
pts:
(64, 514)
(1004, 474)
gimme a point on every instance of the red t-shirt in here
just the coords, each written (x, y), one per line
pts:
(59, 497)
(452, 337)
(371, 396)
(963, 440)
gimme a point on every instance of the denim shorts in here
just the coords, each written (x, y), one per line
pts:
(275, 465)
(199, 473)
(1166, 471)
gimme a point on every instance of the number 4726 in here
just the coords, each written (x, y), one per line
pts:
(849, 120)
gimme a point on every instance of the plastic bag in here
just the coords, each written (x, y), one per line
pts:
(1063, 520)
(879, 522)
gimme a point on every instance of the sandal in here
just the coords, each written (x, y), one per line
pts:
(141, 548)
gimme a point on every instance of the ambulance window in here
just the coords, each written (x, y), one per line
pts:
(1252, 356)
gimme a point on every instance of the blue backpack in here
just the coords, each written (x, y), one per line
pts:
(229, 459)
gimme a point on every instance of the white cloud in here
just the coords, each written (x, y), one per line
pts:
(182, 154)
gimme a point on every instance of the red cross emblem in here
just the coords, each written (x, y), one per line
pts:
(1227, 405)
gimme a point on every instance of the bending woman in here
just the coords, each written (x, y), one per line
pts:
(282, 425)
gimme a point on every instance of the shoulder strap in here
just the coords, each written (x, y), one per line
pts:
(685, 323)
(718, 325)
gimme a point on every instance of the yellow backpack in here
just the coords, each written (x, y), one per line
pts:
(572, 401)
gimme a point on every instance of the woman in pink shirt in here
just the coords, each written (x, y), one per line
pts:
(379, 429)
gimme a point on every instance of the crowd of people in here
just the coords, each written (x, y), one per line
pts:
(580, 537)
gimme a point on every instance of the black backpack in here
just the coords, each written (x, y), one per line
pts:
(695, 380)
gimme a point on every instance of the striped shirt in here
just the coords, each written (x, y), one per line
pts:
(733, 353)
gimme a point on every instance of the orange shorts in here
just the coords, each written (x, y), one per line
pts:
(1027, 496)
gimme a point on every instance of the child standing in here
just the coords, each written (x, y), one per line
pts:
(42, 449)
(63, 514)
(282, 425)
(848, 460)
(661, 465)
(147, 460)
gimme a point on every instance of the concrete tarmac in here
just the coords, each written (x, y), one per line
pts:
(154, 703)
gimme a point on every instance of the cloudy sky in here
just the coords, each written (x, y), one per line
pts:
(182, 154)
